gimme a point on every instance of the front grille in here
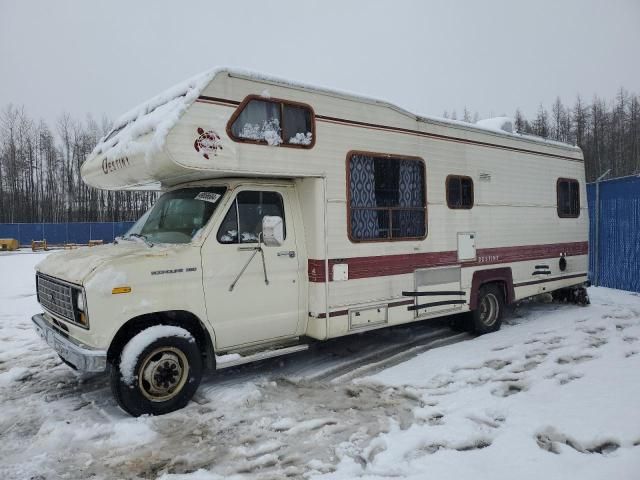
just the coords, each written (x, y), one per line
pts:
(56, 297)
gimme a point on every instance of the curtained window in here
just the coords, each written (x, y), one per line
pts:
(459, 192)
(272, 122)
(568, 194)
(387, 198)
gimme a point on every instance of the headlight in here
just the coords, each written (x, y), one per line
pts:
(80, 301)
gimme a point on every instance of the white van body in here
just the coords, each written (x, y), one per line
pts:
(322, 282)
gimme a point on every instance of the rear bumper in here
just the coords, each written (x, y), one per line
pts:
(76, 354)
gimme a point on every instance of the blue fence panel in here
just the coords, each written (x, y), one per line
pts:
(55, 233)
(102, 231)
(120, 228)
(79, 232)
(10, 230)
(30, 232)
(591, 202)
(619, 244)
(61, 233)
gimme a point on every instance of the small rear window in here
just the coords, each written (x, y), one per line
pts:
(273, 122)
(568, 193)
(459, 192)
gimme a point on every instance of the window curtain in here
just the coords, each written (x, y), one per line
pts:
(257, 117)
(364, 222)
(410, 223)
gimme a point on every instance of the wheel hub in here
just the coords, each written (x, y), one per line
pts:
(489, 309)
(163, 373)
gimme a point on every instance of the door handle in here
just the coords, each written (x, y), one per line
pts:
(287, 253)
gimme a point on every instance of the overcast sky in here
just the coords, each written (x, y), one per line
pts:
(104, 57)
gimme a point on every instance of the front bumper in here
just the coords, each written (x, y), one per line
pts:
(74, 353)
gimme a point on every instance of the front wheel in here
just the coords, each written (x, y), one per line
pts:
(157, 372)
(487, 317)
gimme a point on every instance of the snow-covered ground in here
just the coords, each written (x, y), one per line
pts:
(554, 395)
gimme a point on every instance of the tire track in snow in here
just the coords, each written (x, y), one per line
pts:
(371, 364)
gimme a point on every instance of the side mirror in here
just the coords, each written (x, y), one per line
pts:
(272, 231)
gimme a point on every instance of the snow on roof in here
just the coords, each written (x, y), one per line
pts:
(500, 124)
(160, 114)
(157, 116)
(478, 127)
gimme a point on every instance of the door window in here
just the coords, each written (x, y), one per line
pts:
(243, 222)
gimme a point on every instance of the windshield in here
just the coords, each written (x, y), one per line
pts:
(178, 215)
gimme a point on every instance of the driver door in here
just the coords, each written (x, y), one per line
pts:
(252, 311)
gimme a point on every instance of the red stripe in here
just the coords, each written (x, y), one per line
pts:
(384, 265)
(225, 101)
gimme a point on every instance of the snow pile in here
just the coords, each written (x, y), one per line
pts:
(268, 131)
(136, 346)
(14, 374)
(157, 116)
(230, 357)
(301, 139)
(500, 124)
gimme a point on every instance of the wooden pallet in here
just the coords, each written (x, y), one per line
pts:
(39, 245)
(9, 244)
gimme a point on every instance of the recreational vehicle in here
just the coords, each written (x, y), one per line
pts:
(292, 214)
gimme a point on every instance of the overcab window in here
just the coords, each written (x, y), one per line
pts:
(568, 193)
(387, 199)
(459, 192)
(273, 122)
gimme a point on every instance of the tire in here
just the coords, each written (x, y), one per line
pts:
(487, 317)
(157, 372)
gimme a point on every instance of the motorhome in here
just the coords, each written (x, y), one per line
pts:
(291, 214)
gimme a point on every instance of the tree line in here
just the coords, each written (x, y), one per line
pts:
(40, 165)
(608, 132)
(40, 173)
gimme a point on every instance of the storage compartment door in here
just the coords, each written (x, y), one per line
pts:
(437, 290)
(466, 246)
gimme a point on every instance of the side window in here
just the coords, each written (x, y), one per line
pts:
(273, 122)
(243, 222)
(459, 192)
(387, 198)
(568, 194)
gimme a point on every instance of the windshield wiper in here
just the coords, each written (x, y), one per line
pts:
(141, 237)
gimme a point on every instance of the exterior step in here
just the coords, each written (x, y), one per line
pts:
(234, 359)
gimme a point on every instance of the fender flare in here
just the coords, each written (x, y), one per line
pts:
(180, 318)
(493, 275)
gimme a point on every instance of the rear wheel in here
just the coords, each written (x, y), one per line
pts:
(487, 317)
(157, 372)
